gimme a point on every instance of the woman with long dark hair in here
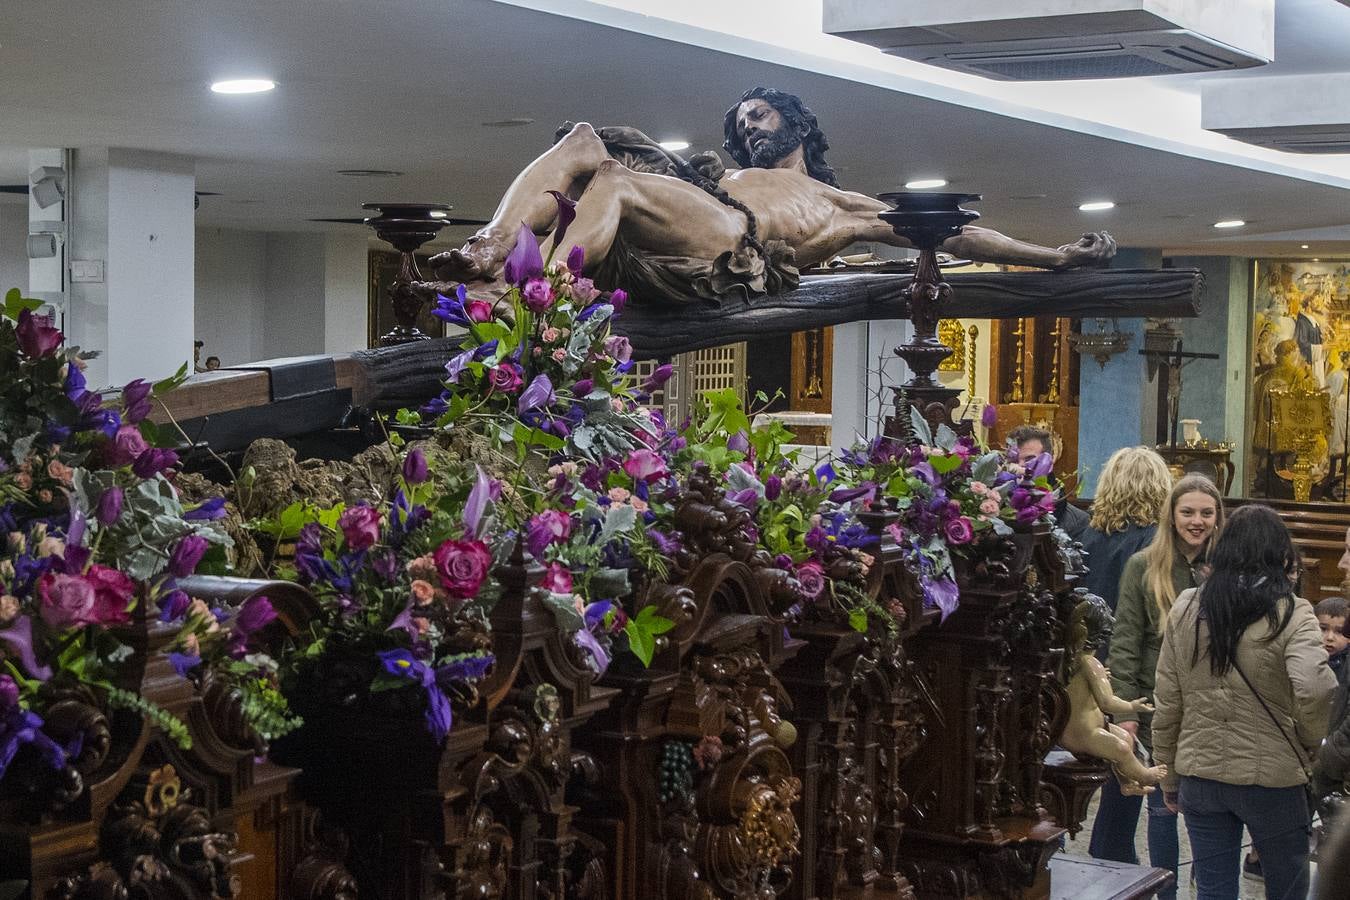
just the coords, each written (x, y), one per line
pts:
(1242, 694)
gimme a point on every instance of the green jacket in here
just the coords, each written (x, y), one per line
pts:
(1136, 639)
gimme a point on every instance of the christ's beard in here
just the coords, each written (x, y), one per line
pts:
(780, 143)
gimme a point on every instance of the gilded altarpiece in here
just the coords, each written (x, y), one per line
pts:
(1298, 402)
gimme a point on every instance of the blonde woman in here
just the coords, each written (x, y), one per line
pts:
(1189, 519)
(1133, 486)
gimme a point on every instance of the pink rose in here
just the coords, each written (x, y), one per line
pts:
(645, 465)
(462, 566)
(557, 579)
(423, 592)
(811, 577)
(959, 530)
(505, 378)
(67, 600)
(113, 593)
(126, 445)
(989, 507)
(979, 488)
(559, 355)
(618, 495)
(478, 310)
(584, 290)
(538, 295)
(9, 609)
(360, 526)
(423, 567)
(59, 471)
(550, 334)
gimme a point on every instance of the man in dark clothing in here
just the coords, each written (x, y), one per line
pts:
(1031, 442)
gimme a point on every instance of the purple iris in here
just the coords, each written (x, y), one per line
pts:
(18, 726)
(439, 715)
(183, 663)
(738, 443)
(669, 545)
(658, 377)
(457, 363)
(825, 472)
(524, 261)
(451, 309)
(1041, 465)
(207, 511)
(436, 406)
(18, 637)
(865, 491)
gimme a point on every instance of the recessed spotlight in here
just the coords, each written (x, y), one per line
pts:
(1303, 246)
(439, 214)
(1096, 206)
(675, 145)
(509, 123)
(1230, 223)
(1315, 259)
(243, 86)
(925, 184)
(369, 173)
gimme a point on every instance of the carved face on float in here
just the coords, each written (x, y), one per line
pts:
(766, 136)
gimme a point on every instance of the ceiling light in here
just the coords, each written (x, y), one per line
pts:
(1315, 259)
(1096, 206)
(243, 86)
(925, 184)
(675, 145)
(514, 122)
(1303, 246)
(369, 173)
(1230, 223)
(439, 214)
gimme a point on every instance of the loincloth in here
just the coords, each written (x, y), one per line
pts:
(743, 273)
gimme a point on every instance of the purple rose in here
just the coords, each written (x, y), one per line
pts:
(256, 613)
(186, 554)
(415, 466)
(67, 600)
(618, 346)
(811, 577)
(617, 299)
(125, 447)
(549, 527)
(505, 378)
(959, 530)
(360, 526)
(538, 295)
(109, 506)
(557, 579)
(645, 465)
(478, 310)
(462, 566)
(37, 336)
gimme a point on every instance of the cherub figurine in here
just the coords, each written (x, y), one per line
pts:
(1090, 696)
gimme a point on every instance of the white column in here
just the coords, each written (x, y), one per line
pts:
(345, 291)
(863, 372)
(46, 274)
(132, 253)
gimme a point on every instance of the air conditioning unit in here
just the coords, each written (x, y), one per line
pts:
(1294, 113)
(1058, 40)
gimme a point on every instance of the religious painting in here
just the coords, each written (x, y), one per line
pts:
(1300, 348)
(383, 272)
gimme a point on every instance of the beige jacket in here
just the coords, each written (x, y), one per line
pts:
(1212, 727)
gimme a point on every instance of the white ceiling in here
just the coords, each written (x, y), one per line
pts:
(408, 84)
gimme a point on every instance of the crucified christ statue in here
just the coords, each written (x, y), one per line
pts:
(653, 223)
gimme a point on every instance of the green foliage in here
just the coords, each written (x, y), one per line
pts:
(266, 709)
(286, 524)
(161, 718)
(16, 303)
(642, 630)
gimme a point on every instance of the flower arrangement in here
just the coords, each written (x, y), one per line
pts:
(96, 540)
(404, 591)
(950, 493)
